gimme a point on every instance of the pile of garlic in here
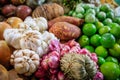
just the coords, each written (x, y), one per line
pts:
(39, 24)
(32, 40)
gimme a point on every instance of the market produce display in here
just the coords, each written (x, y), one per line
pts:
(59, 40)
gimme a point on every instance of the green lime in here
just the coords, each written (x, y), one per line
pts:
(110, 70)
(101, 60)
(71, 13)
(117, 20)
(90, 18)
(97, 9)
(115, 50)
(88, 6)
(92, 11)
(83, 40)
(110, 15)
(90, 48)
(107, 40)
(80, 10)
(115, 31)
(99, 25)
(107, 21)
(95, 40)
(89, 29)
(101, 16)
(74, 14)
(111, 59)
(111, 25)
(79, 15)
(104, 30)
(101, 51)
(105, 8)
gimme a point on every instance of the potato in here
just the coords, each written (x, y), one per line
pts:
(3, 73)
(65, 31)
(72, 20)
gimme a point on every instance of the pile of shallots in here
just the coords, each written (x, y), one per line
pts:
(49, 67)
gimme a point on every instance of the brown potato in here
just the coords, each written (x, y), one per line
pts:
(3, 73)
(65, 31)
(72, 20)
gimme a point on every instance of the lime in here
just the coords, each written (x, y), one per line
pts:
(74, 14)
(111, 59)
(90, 48)
(80, 10)
(115, 31)
(92, 11)
(101, 16)
(88, 6)
(97, 9)
(101, 60)
(79, 15)
(104, 30)
(107, 40)
(110, 70)
(117, 20)
(89, 29)
(83, 40)
(71, 13)
(115, 50)
(95, 40)
(101, 51)
(99, 25)
(107, 21)
(90, 18)
(110, 15)
(105, 7)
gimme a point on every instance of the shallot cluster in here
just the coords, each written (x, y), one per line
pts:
(49, 68)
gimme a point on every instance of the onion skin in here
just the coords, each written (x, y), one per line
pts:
(23, 11)
(61, 75)
(53, 62)
(8, 10)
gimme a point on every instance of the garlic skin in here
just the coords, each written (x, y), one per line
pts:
(39, 24)
(13, 36)
(36, 41)
(25, 61)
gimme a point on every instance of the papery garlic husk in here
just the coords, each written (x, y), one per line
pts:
(47, 36)
(25, 61)
(39, 24)
(13, 36)
(32, 40)
(78, 66)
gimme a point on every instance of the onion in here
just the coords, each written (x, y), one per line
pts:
(53, 62)
(54, 53)
(53, 77)
(44, 63)
(9, 10)
(54, 71)
(40, 73)
(61, 75)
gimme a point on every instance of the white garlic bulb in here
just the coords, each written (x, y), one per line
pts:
(47, 36)
(25, 61)
(13, 36)
(31, 39)
(39, 24)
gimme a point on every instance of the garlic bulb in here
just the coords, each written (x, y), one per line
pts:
(39, 24)
(25, 61)
(13, 36)
(32, 40)
(47, 36)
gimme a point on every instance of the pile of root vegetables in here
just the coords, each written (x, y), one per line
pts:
(37, 42)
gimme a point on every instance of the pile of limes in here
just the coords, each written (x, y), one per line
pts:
(101, 34)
